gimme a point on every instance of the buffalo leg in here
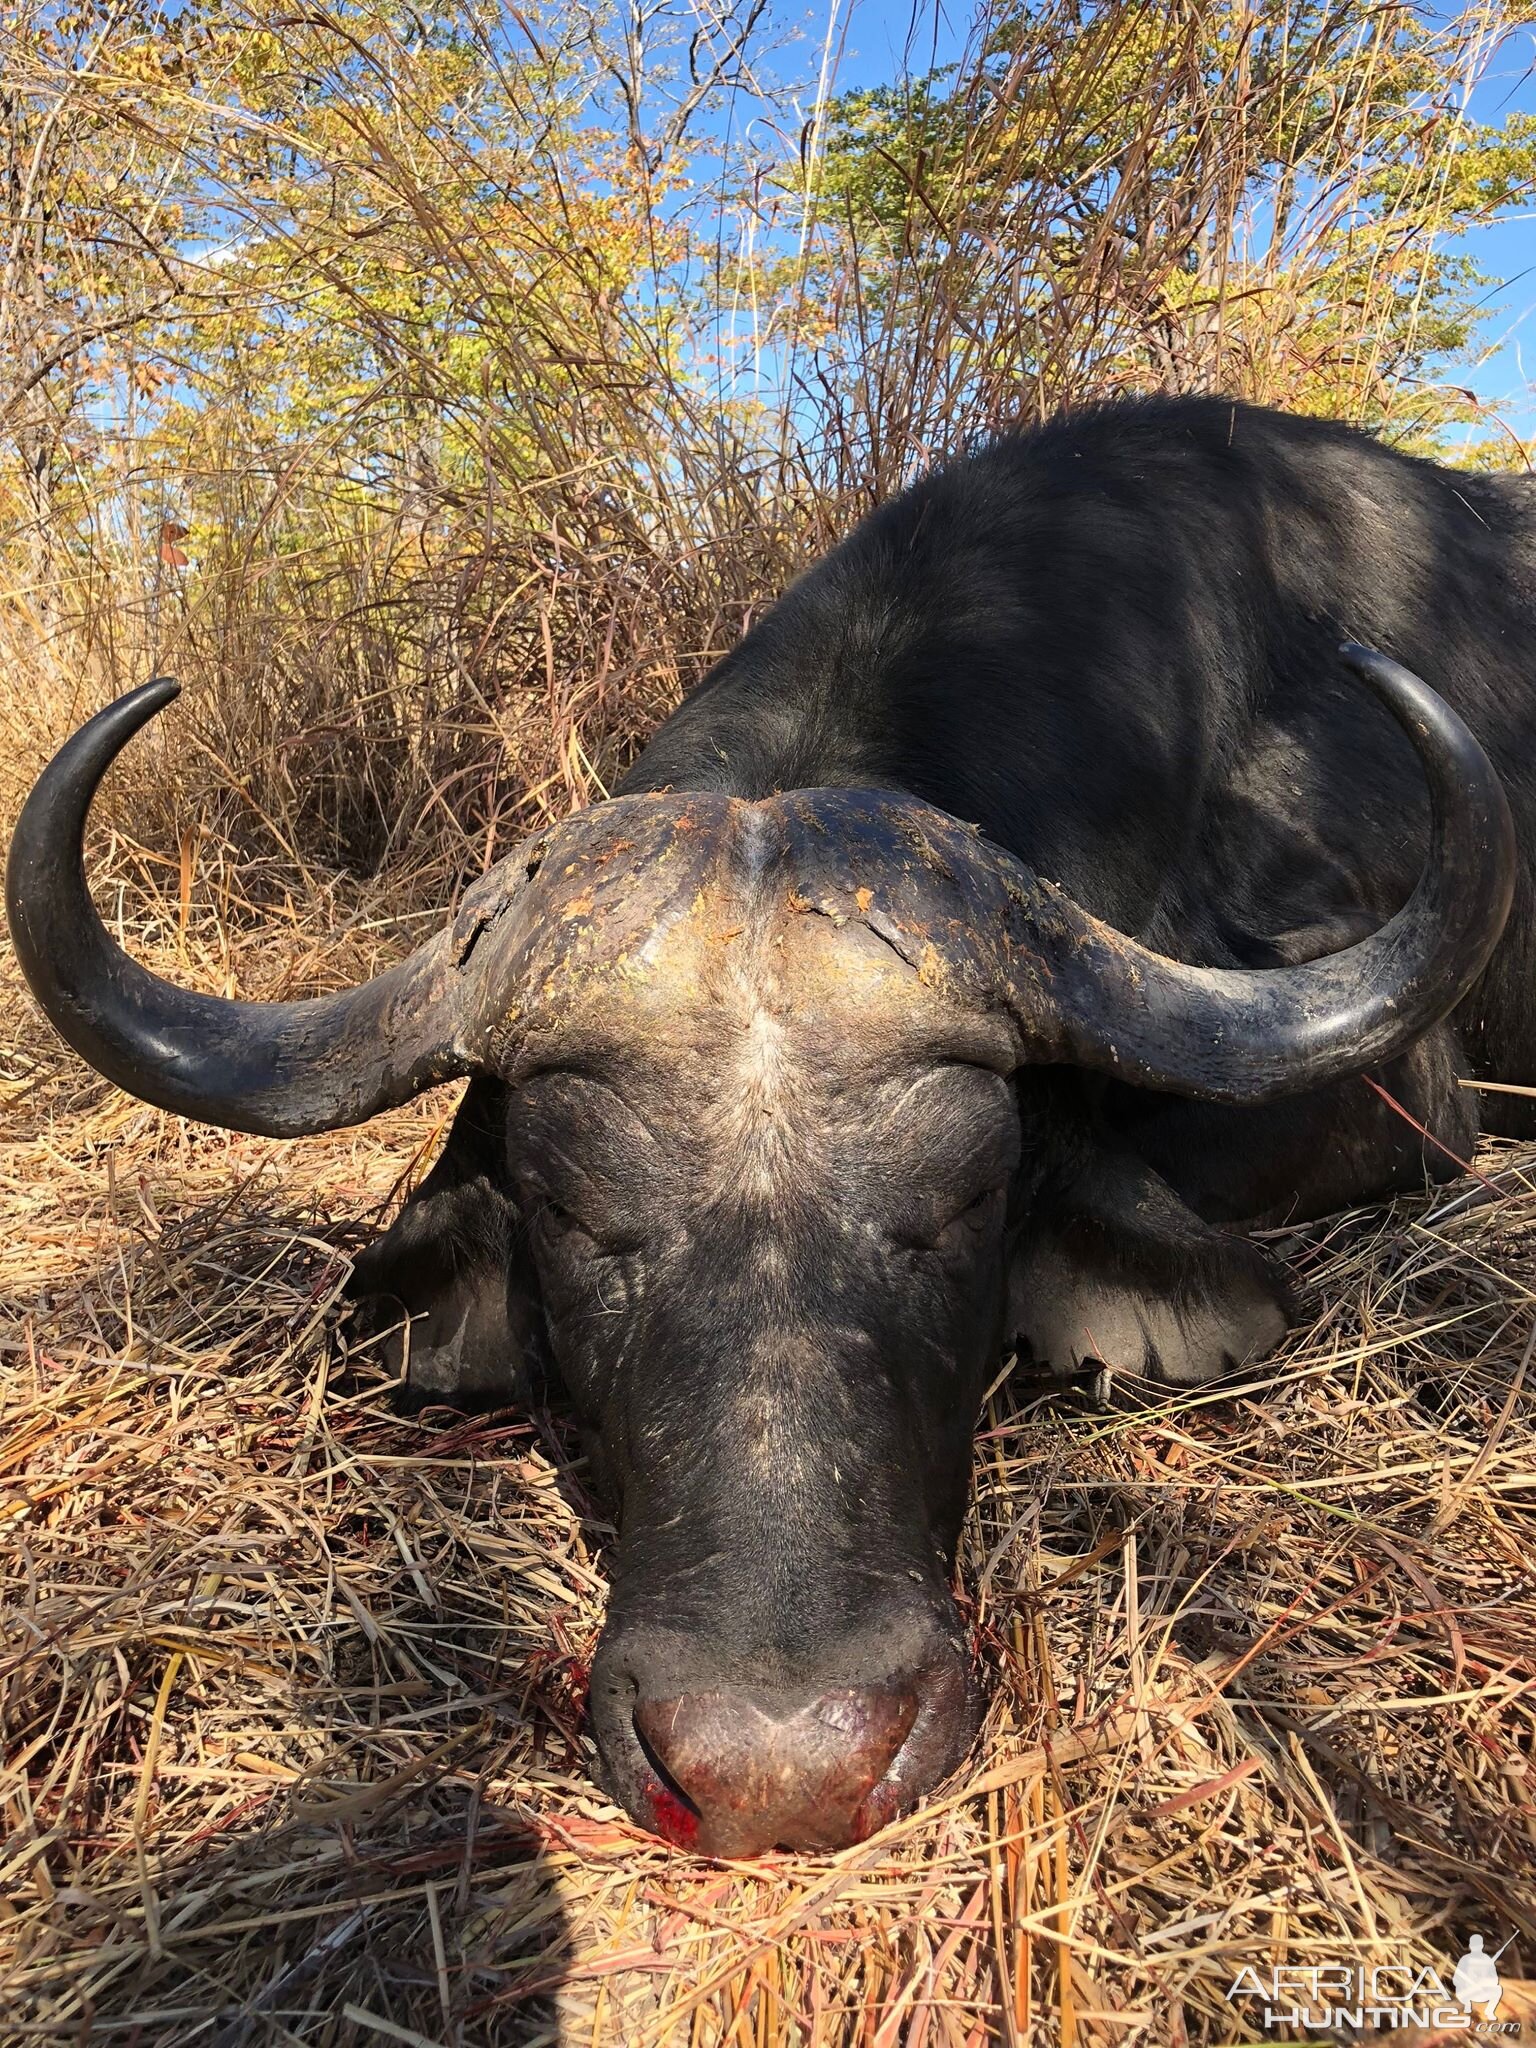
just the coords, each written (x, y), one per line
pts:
(441, 1281)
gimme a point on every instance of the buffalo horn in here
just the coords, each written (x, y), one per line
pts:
(1098, 999)
(278, 1069)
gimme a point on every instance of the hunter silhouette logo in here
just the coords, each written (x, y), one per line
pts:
(1476, 1977)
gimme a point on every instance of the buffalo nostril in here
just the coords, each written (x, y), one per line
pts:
(672, 1813)
(737, 1773)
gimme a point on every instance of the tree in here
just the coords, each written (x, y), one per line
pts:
(1260, 198)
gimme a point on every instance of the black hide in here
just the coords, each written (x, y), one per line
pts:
(1111, 644)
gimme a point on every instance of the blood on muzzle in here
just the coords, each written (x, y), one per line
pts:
(757, 1773)
(727, 1764)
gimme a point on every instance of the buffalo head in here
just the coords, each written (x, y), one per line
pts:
(766, 1077)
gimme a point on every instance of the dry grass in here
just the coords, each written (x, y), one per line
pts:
(291, 1688)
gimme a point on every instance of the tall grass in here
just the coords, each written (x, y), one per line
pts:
(438, 392)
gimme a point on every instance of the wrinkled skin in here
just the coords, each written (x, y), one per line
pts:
(758, 1184)
(756, 1190)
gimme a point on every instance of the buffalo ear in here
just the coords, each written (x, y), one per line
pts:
(1116, 1270)
(440, 1286)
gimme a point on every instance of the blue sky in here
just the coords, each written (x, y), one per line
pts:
(880, 38)
(1507, 250)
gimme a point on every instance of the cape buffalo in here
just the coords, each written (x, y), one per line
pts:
(798, 1092)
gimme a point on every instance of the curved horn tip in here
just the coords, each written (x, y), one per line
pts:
(147, 697)
(279, 1069)
(136, 707)
(90, 751)
(66, 787)
(1245, 1034)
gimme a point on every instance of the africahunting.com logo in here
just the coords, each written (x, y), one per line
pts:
(1327, 1996)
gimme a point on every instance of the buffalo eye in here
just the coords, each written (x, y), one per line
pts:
(563, 1226)
(975, 1209)
(972, 1215)
(563, 1221)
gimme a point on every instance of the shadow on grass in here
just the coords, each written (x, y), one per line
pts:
(288, 1682)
